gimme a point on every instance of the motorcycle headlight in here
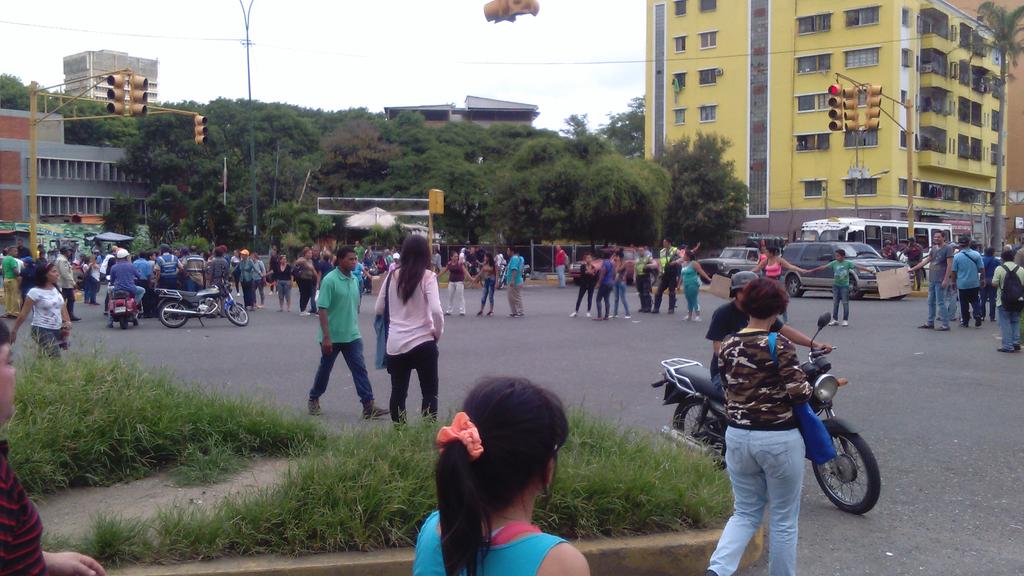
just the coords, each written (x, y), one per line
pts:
(825, 388)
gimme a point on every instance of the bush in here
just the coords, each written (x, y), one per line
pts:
(96, 420)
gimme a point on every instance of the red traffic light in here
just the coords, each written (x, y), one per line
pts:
(835, 90)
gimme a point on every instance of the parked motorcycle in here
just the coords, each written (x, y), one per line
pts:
(176, 307)
(851, 480)
(123, 308)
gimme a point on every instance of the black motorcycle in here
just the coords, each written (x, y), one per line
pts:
(851, 480)
(176, 307)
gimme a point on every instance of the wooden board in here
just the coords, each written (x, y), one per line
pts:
(893, 283)
(720, 286)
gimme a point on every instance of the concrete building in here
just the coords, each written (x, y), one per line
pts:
(758, 75)
(75, 182)
(482, 111)
(79, 68)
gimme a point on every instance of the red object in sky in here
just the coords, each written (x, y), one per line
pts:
(835, 90)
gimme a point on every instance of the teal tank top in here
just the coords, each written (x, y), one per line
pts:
(521, 557)
(690, 274)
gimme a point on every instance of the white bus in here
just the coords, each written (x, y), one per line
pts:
(872, 232)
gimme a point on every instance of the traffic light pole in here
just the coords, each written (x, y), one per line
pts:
(909, 107)
(252, 120)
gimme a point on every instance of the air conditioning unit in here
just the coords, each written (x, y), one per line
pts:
(719, 72)
(926, 68)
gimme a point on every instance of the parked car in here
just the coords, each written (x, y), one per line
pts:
(813, 254)
(629, 255)
(732, 260)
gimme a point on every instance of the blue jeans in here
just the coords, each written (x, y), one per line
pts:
(766, 470)
(90, 287)
(620, 294)
(988, 299)
(1009, 327)
(560, 270)
(353, 353)
(840, 294)
(938, 298)
(488, 292)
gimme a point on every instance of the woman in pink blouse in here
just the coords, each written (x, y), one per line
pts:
(415, 326)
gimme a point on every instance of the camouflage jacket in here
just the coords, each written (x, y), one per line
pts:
(760, 394)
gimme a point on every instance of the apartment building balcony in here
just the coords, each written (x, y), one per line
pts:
(934, 68)
(937, 106)
(933, 26)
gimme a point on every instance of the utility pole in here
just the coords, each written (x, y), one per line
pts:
(33, 169)
(252, 119)
(908, 105)
(856, 180)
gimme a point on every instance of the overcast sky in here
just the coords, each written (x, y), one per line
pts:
(352, 53)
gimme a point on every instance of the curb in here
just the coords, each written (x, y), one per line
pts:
(682, 554)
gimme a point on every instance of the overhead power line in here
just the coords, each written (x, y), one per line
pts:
(126, 34)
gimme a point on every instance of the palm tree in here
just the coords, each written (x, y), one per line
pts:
(1005, 27)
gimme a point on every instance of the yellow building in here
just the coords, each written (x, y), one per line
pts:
(758, 71)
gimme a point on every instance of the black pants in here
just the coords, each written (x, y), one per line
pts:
(249, 293)
(306, 294)
(602, 296)
(970, 297)
(589, 291)
(643, 288)
(988, 295)
(69, 297)
(667, 282)
(422, 359)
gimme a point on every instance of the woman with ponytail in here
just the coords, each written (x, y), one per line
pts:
(495, 459)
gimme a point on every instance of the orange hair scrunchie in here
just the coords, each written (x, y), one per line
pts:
(462, 430)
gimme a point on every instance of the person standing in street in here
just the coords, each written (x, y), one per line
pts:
(147, 306)
(457, 274)
(622, 272)
(1009, 311)
(247, 277)
(66, 283)
(841, 268)
(218, 271)
(261, 278)
(415, 325)
(561, 259)
(11, 283)
(282, 278)
(691, 273)
(586, 282)
(514, 277)
(338, 313)
(167, 266)
(914, 255)
(605, 285)
(988, 291)
(668, 260)
(940, 275)
(195, 271)
(92, 280)
(50, 317)
(488, 278)
(969, 271)
(645, 267)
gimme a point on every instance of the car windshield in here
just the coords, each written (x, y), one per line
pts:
(858, 250)
(734, 253)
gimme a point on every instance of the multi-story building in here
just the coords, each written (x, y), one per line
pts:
(75, 182)
(482, 111)
(758, 71)
(80, 68)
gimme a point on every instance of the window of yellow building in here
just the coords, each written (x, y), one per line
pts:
(862, 16)
(708, 113)
(680, 7)
(861, 58)
(708, 39)
(680, 116)
(814, 24)
(680, 42)
(813, 63)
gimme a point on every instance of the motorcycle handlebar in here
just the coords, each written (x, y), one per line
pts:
(659, 383)
(819, 352)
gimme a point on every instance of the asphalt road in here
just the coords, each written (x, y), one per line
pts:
(942, 411)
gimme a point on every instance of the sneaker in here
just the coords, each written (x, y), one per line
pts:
(314, 407)
(942, 329)
(697, 319)
(303, 313)
(977, 322)
(1007, 350)
(833, 323)
(615, 315)
(1016, 347)
(845, 323)
(370, 410)
(573, 315)
(927, 326)
(588, 314)
(627, 317)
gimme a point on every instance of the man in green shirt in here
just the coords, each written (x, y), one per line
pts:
(338, 305)
(10, 273)
(841, 284)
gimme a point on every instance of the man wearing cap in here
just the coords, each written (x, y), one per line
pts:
(122, 277)
(970, 277)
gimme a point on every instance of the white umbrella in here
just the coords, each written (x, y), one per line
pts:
(369, 218)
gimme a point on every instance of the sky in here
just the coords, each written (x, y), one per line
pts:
(575, 57)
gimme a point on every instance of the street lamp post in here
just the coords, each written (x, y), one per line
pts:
(252, 119)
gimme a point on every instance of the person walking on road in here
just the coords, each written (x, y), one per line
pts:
(11, 283)
(765, 459)
(692, 273)
(940, 275)
(514, 277)
(51, 320)
(645, 267)
(488, 278)
(66, 283)
(1009, 309)
(282, 278)
(305, 274)
(338, 306)
(988, 291)
(605, 285)
(623, 270)
(668, 261)
(497, 457)
(841, 268)
(969, 270)
(586, 282)
(561, 260)
(457, 274)
(415, 325)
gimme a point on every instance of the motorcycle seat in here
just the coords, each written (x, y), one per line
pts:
(123, 295)
(700, 379)
(207, 292)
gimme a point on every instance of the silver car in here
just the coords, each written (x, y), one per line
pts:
(809, 255)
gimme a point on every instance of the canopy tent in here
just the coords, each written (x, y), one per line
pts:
(112, 237)
(369, 218)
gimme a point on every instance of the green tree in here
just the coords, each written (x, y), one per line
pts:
(13, 94)
(625, 130)
(300, 220)
(210, 218)
(1006, 27)
(355, 155)
(122, 217)
(624, 202)
(706, 201)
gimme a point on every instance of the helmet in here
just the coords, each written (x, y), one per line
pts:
(739, 280)
(122, 254)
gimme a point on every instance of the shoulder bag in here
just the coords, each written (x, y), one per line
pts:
(381, 324)
(818, 447)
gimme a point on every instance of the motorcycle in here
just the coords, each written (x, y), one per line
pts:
(851, 480)
(176, 307)
(123, 308)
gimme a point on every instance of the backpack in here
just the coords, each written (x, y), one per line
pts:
(1013, 290)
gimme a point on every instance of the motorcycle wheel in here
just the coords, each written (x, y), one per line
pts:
(850, 480)
(169, 315)
(237, 315)
(685, 420)
(124, 322)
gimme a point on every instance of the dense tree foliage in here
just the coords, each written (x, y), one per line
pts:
(625, 130)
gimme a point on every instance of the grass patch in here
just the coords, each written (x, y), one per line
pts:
(208, 464)
(370, 489)
(95, 420)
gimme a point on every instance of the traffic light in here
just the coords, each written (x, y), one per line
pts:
(842, 103)
(201, 130)
(115, 93)
(507, 10)
(138, 96)
(874, 107)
